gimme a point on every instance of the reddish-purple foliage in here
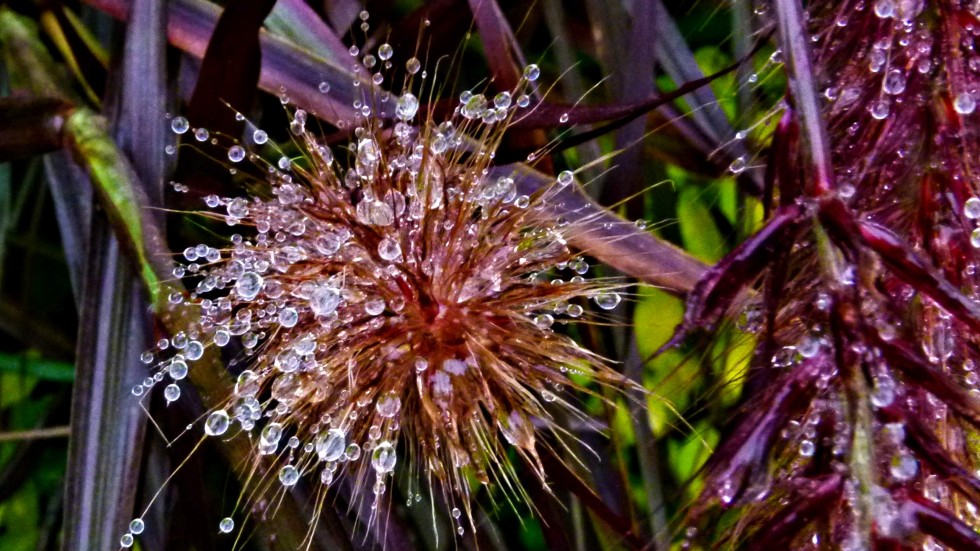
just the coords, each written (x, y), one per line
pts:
(859, 423)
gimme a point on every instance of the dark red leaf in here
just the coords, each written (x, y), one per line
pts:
(813, 498)
(31, 126)
(742, 452)
(917, 368)
(921, 438)
(714, 293)
(941, 525)
(502, 50)
(920, 274)
(230, 70)
(570, 481)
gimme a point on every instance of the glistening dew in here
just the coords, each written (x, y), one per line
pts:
(395, 305)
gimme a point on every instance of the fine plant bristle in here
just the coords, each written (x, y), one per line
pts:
(395, 302)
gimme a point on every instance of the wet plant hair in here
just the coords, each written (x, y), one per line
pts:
(393, 303)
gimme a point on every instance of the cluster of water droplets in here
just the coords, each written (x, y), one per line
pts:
(324, 261)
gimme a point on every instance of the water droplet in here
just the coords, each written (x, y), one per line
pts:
(260, 137)
(288, 317)
(126, 541)
(324, 87)
(194, 350)
(807, 448)
(271, 434)
(236, 153)
(885, 8)
(202, 134)
(388, 405)
(607, 301)
(353, 451)
(412, 65)
(221, 337)
(179, 125)
(894, 82)
(237, 208)
(217, 423)
(544, 321)
(249, 285)
(563, 118)
(137, 526)
(883, 393)
(975, 238)
(964, 103)
(226, 525)
(374, 307)
(880, 109)
(288, 476)
(971, 208)
(330, 446)
(385, 51)
(565, 178)
(177, 370)
(737, 166)
(407, 106)
(324, 300)
(532, 72)
(383, 458)
(903, 466)
(456, 512)
(171, 392)
(502, 100)
(809, 346)
(574, 310)
(389, 249)
(474, 106)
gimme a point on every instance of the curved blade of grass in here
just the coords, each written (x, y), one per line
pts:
(615, 241)
(141, 88)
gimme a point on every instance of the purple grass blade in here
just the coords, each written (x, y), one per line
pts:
(297, 22)
(106, 421)
(617, 242)
(503, 52)
(793, 38)
(678, 61)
